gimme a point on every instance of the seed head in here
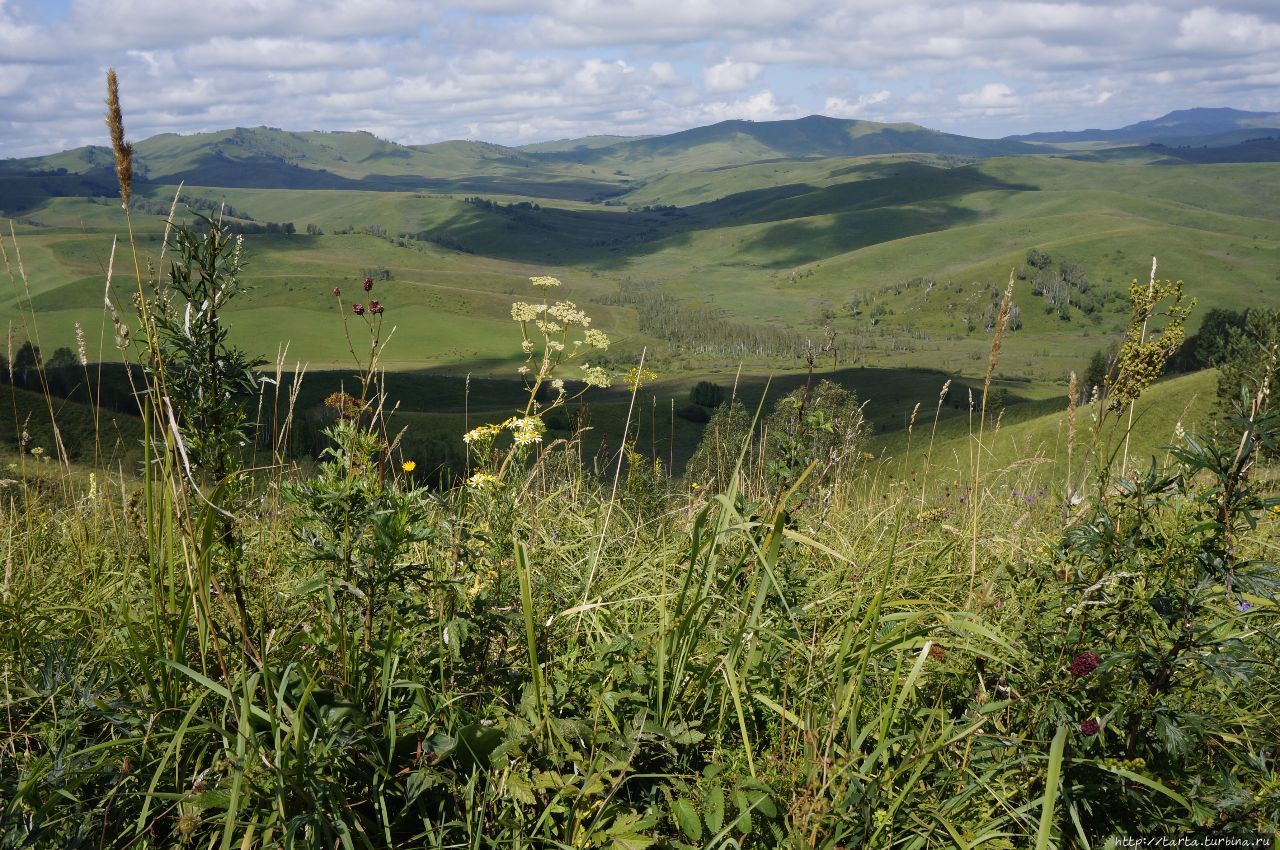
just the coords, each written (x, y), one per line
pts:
(1084, 663)
(123, 150)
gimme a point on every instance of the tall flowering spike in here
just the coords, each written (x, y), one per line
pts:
(123, 150)
(1084, 663)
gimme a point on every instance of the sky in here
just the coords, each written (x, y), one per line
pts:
(521, 71)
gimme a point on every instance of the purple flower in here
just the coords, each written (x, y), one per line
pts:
(1244, 605)
(1084, 663)
(1090, 727)
(375, 308)
(368, 284)
(358, 309)
(337, 293)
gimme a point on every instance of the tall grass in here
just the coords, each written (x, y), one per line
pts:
(263, 655)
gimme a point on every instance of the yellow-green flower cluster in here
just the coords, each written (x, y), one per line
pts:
(545, 281)
(1142, 355)
(523, 311)
(568, 313)
(637, 378)
(596, 339)
(595, 376)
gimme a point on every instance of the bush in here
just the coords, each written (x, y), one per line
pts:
(707, 394)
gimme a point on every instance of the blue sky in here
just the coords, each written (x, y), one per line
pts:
(518, 71)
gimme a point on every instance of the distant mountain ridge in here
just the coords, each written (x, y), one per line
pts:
(1205, 126)
(593, 168)
(268, 157)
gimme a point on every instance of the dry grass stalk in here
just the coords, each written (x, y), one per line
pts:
(1073, 396)
(123, 150)
(1002, 323)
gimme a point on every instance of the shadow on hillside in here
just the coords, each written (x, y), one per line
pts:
(907, 199)
(264, 172)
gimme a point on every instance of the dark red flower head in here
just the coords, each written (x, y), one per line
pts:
(358, 309)
(375, 308)
(1090, 727)
(1084, 663)
(337, 293)
(368, 284)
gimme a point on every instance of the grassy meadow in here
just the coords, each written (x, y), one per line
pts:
(780, 517)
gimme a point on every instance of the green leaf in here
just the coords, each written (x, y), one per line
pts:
(1045, 834)
(714, 808)
(687, 817)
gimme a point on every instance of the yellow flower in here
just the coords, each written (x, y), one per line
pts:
(409, 466)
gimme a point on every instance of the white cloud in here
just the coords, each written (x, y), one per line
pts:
(730, 76)
(514, 70)
(839, 107)
(992, 99)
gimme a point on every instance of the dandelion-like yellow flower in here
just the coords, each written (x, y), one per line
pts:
(409, 466)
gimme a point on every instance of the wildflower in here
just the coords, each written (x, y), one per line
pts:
(1084, 663)
(358, 309)
(481, 480)
(637, 378)
(557, 385)
(568, 313)
(80, 346)
(337, 292)
(595, 376)
(549, 327)
(481, 434)
(522, 370)
(376, 308)
(37, 451)
(1244, 605)
(368, 284)
(522, 311)
(544, 282)
(1090, 727)
(526, 430)
(344, 403)
(596, 339)
(527, 346)
(409, 466)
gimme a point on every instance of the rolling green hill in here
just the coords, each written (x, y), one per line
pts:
(713, 248)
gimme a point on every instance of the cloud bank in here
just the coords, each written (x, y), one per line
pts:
(516, 72)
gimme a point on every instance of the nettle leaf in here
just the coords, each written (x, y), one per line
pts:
(519, 789)
(625, 832)
(687, 817)
(714, 808)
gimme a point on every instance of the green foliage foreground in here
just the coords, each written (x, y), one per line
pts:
(803, 654)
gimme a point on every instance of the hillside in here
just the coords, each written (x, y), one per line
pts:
(1202, 126)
